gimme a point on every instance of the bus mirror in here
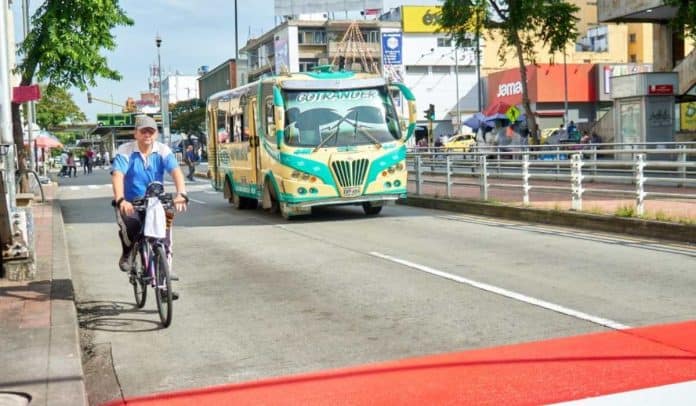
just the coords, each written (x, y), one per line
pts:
(279, 117)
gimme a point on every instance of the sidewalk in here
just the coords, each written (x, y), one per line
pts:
(39, 342)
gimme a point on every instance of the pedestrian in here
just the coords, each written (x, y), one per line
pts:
(90, 159)
(595, 138)
(72, 167)
(107, 159)
(190, 159)
(64, 164)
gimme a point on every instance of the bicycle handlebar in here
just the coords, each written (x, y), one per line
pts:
(140, 203)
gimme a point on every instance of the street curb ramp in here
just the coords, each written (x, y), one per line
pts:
(621, 225)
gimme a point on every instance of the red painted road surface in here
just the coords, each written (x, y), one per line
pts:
(540, 372)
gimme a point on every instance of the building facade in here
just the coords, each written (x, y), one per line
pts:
(176, 88)
(222, 77)
(299, 45)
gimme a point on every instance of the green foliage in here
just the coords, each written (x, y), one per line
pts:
(65, 42)
(522, 24)
(55, 107)
(189, 116)
(625, 211)
(685, 18)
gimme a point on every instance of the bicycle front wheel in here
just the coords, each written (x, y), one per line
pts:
(136, 278)
(163, 286)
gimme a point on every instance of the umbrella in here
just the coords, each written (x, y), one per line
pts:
(476, 121)
(498, 107)
(46, 141)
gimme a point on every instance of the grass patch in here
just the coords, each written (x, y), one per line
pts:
(625, 211)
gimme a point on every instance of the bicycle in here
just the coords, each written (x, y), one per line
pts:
(150, 260)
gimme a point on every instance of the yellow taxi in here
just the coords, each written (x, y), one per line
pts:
(460, 143)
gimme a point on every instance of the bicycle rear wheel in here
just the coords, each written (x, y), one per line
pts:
(163, 286)
(136, 278)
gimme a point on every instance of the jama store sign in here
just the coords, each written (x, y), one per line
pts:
(509, 89)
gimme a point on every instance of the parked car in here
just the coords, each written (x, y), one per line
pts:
(460, 143)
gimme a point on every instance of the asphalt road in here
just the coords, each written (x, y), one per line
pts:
(263, 297)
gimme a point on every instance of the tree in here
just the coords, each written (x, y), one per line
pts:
(63, 48)
(55, 107)
(685, 19)
(522, 24)
(189, 116)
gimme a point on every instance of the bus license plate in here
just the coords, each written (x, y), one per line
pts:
(351, 191)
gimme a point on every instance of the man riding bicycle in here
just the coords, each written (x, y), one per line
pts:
(135, 165)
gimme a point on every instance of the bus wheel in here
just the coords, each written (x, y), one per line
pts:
(370, 209)
(284, 211)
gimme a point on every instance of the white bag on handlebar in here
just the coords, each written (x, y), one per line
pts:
(155, 219)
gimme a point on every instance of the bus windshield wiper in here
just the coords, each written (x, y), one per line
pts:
(362, 129)
(332, 135)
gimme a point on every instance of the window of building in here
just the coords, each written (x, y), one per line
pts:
(311, 37)
(444, 42)
(422, 70)
(632, 38)
(441, 70)
(371, 36)
(632, 58)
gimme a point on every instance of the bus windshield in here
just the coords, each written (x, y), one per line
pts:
(339, 118)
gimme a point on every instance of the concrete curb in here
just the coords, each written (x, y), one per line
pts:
(621, 225)
(66, 379)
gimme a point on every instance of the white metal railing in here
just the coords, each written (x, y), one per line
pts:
(673, 167)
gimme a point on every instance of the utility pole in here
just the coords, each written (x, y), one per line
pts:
(236, 34)
(7, 152)
(29, 110)
(164, 108)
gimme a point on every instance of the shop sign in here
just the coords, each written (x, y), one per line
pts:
(661, 89)
(421, 18)
(509, 89)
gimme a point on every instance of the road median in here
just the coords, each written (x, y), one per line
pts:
(601, 222)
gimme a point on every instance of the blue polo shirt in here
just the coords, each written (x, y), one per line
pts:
(139, 173)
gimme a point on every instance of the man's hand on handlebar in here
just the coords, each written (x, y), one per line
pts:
(126, 207)
(180, 202)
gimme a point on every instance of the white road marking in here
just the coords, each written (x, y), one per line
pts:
(92, 186)
(682, 393)
(197, 201)
(74, 188)
(507, 293)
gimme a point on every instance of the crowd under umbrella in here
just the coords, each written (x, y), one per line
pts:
(476, 121)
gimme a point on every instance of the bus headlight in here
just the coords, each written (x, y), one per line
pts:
(299, 175)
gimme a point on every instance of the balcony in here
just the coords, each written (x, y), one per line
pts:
(371, 48)
(634, 11)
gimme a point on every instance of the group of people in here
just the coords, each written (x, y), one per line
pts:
(88, 160)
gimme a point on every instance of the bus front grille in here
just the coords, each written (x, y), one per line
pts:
(350, 174)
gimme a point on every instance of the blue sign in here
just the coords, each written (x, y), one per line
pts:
(391, 48)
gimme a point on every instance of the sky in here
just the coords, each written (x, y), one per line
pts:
(194, 33)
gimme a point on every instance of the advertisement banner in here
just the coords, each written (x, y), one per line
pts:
(421, 18)
(688, 116)
(391, 48)
(282, 54)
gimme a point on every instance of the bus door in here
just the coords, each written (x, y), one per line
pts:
(249, 133)
(213, 156)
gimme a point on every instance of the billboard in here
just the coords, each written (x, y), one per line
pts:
(295, 7)
(391, 48)
(421, 18)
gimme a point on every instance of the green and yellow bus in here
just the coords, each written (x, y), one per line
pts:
(299, 140)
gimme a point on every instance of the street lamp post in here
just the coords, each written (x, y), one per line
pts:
(456, 79)
(164, 109)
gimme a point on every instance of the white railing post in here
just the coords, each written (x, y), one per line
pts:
(448, 168)
(484, 177)
(525, 179)
(419, 175)
(682, 164)
(640, 181)
(576, 181)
